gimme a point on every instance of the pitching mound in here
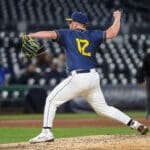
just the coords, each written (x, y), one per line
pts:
(101, 142)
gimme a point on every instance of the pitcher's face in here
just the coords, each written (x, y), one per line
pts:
(73, 25)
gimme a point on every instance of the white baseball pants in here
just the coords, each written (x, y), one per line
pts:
(81, 84)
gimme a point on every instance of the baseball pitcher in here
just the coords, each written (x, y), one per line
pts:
(83, 80)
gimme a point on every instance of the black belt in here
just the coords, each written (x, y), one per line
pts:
(82, 71)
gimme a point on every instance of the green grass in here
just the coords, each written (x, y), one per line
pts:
(13, 135)
(70, 115)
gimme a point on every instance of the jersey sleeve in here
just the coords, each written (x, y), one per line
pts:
(99, 36)
(61, 36)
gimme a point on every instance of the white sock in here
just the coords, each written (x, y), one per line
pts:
(135, 124)
(45, 130)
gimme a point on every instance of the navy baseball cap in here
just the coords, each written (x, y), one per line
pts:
(78, 17)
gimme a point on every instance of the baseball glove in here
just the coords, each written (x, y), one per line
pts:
(30, 47)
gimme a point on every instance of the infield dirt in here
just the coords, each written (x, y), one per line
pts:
(101, 142)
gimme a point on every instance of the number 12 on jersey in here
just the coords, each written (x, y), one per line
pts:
(82, 45)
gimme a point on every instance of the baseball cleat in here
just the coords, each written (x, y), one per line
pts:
(43, 137)
(143, 129)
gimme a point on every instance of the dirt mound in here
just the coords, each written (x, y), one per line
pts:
(101, 142)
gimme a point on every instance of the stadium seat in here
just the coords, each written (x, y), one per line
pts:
(113, 57)
(45, 12)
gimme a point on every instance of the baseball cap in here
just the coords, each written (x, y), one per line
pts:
(78, 17)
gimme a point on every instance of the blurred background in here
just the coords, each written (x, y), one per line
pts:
(25, 83)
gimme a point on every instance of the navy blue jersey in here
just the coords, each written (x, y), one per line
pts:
(80, 47)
